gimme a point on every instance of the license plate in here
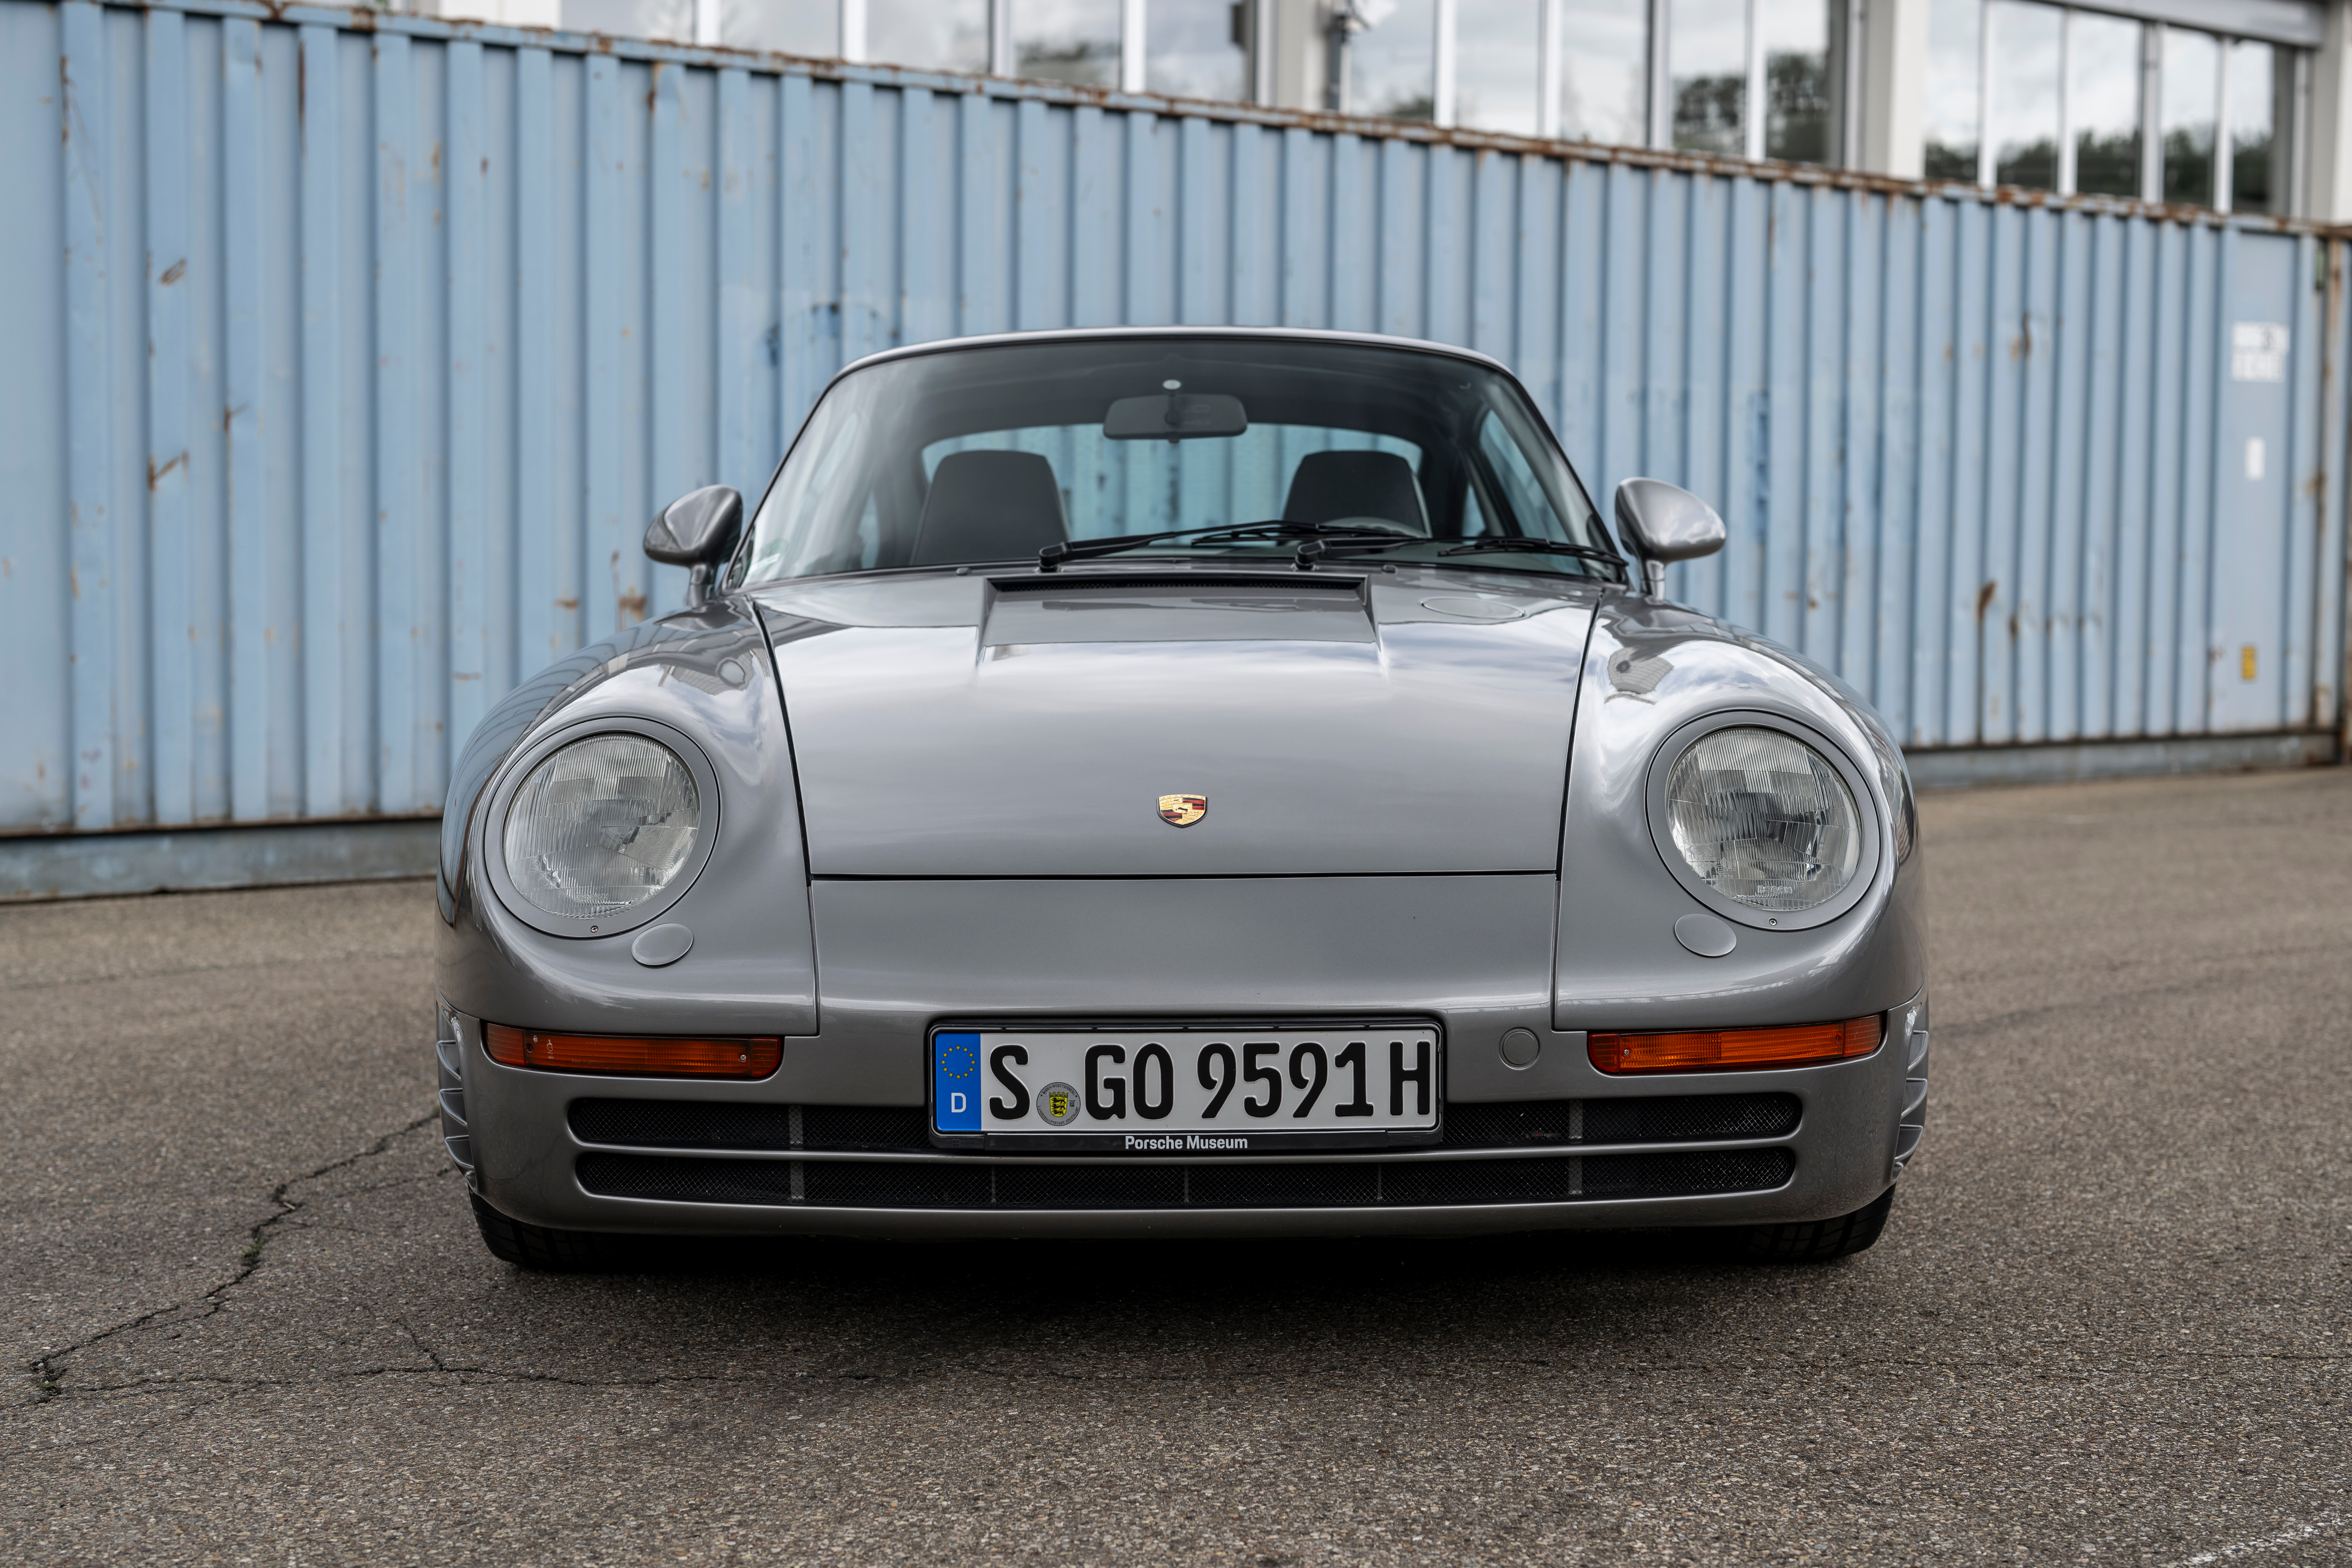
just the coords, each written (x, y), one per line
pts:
(1189, 1090)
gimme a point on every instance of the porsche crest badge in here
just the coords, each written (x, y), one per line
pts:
(1183, 810)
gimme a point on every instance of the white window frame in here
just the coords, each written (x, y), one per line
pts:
(2289, 119)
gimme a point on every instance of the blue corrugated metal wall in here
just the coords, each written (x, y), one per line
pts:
(346, 357)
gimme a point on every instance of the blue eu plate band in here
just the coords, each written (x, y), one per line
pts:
(955, 1082)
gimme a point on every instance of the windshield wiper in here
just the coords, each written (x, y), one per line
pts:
(1050, 559)
(1315, 550)
(1521, 544)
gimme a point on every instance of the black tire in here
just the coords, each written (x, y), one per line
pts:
(550, 1251)
(1817, 1241)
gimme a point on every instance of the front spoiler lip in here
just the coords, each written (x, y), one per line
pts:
(678, 1220)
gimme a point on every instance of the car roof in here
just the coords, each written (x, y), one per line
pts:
(1116, 334)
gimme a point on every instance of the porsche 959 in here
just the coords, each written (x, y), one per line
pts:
(1181, 783)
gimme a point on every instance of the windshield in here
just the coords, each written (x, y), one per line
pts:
(988, 455)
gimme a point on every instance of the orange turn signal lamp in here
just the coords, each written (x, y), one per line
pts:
(659, 1056)
(1728, 1050)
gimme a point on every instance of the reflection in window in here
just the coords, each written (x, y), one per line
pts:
(1066, 40)
(1189, 50)
(1496, 55)
(1708, 51)
(2191, 72)
(810, 27)
(931, 34)
(2253, 118)
(2103, 105)
(1798, 116)
(2025, 40)
(632, 19)
(1950, 113)
(1390, 63)
(1605, 71)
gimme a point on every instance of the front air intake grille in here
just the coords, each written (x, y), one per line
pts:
(885, 1129)
(1649, 1118)
(1404, 1184)
(716, 1124)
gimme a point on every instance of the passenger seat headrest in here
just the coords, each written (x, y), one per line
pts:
(990, 506)
(1328, 486)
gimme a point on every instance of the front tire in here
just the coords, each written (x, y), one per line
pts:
(544, 1250)
(1817, 1241)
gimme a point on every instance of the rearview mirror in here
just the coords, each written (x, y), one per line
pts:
(1174, 415)
(1664, 522)
(699, 531)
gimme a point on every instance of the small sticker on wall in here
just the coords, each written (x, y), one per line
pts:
(2246, 662)
(2257, 351)
(2257, 457)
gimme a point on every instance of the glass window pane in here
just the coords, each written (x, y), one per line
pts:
(2191, 65)
(1950, 113)
(1604, 84)
(793, 26)
(1069, 41)
(1706, 51)
(2104, 110)
(1797, 119)
(1389, 63)
(2025, 93)
(671, 19)
(1497, 51)
(2254, 120)
(1066, 40)
(930, 34)
(1189, 50)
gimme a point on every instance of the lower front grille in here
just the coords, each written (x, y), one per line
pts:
(882, 1128)
(719, 1124)
(1384, 1185)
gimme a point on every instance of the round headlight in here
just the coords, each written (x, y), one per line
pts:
(1764, 819)
(602, 826)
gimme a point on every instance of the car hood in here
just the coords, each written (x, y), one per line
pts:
(1029, 726)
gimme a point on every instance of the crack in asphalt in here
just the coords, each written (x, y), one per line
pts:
(47, 1370)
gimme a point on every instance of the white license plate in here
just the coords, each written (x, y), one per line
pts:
(1187, 1090)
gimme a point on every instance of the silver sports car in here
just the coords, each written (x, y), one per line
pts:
(1181, 783)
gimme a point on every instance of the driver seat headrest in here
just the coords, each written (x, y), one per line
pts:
(990, 506)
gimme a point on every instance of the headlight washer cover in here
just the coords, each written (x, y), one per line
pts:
(491, 847)
(1871, 867)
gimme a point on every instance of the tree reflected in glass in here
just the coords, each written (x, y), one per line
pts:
(1949, 117)
(1709, 54)
(2025, 38)
(1798, 107)
(2253, 76)
(2191, 69)
(1066, 40)
(2103, 105)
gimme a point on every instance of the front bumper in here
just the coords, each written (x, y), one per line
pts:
(579, 1152)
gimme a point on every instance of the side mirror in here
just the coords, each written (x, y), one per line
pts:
(1665, 523)
(699, 531)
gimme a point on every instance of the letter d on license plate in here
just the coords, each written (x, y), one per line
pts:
(1189, 1090)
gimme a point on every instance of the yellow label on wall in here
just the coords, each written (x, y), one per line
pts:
(2246, 662)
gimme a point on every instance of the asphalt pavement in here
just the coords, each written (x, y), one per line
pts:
(251, 1322)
